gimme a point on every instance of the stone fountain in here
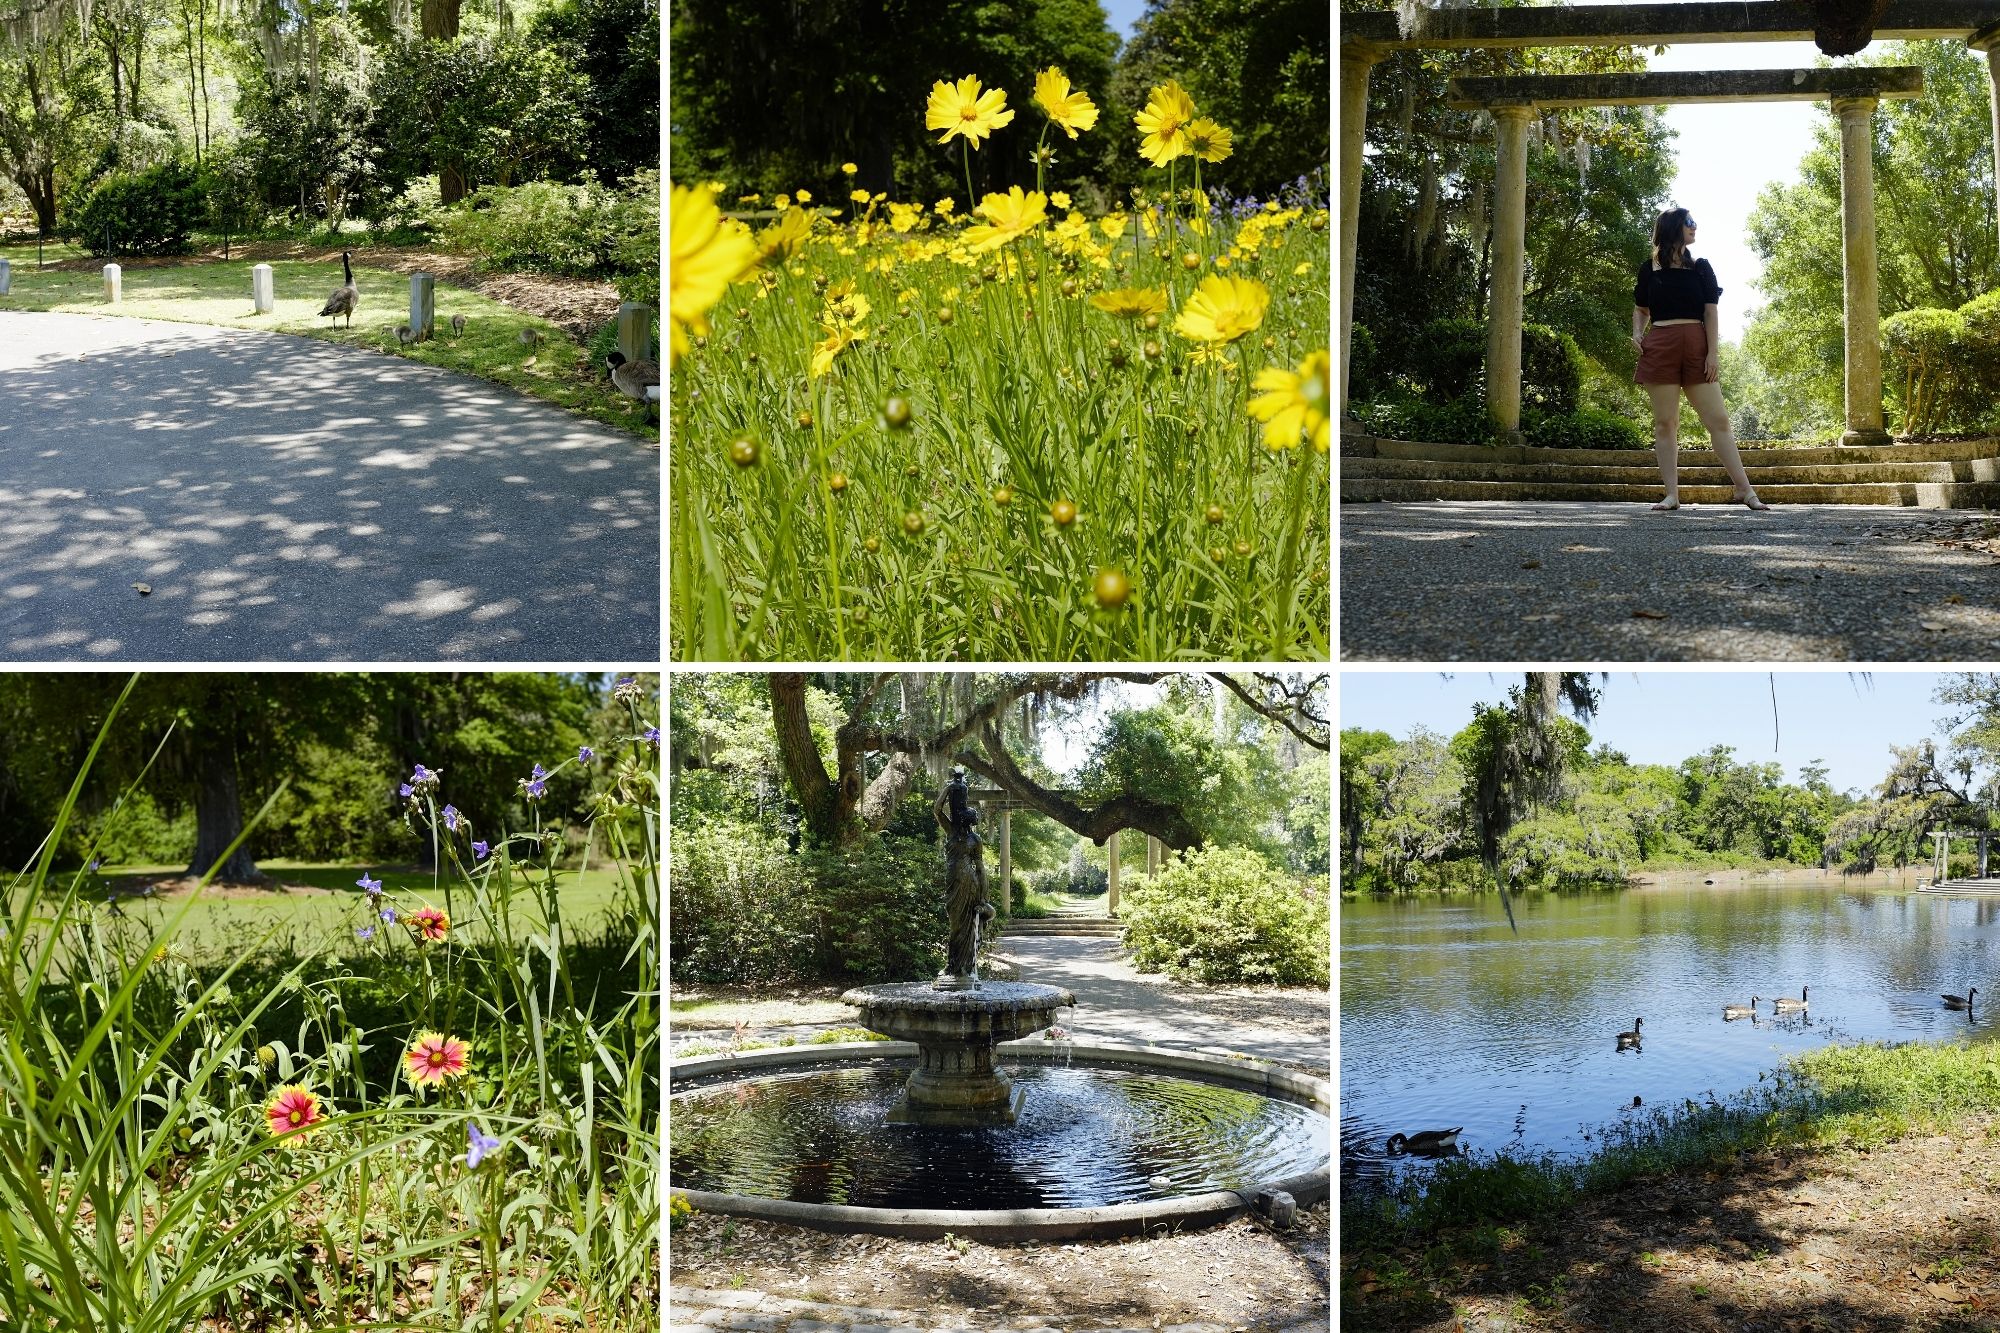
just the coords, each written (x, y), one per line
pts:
(956, 1019)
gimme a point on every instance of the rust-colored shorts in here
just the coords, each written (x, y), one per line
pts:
(1675, 354)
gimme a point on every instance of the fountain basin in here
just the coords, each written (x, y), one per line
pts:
(1050, 1156)
(955, 1031)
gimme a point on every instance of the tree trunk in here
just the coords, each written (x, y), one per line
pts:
(218, 814)
(440, 20)
(827, 816)
(451, 184)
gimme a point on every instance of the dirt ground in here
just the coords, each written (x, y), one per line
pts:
(1904, 1237)
(1237, 1274)
(578, 305)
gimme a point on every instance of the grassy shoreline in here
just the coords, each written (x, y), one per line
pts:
(1445, 1228)
(559, 370)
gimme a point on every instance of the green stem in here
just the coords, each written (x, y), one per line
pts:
(965, 153)
(1294, 534)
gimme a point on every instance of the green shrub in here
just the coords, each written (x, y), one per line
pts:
(878, 909)
(134, 831)
(1447, 359)
(582, 230)
(1584, 428)
(1362, 363)
(1551, 369)
(151, 212)
(1225, 914)
(1461, 421)
(1928, 368)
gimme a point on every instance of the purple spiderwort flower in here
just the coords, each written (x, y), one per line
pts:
(480, 1144)
(389, 915)
(364, 933)
(652, 736)
(584, 754)
(479, 850)
(451, 818)
(95, 863)
(533, 785)
(406, 791)
(373, 887)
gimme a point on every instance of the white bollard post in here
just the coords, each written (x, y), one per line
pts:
(114, 279)
(6, 277)
(423, 305)
(263, 295)
(635, 331)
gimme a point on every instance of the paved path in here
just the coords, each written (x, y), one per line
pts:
(1113, 1004)
(1484, 581)
(693, 1307)
(294, 500)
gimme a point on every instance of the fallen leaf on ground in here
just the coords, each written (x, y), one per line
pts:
(1930, 624)
(1531, 564)
(144, 589)
(1643, 614)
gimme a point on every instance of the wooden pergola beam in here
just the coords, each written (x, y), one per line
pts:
(1684, 87)
(1658, 24)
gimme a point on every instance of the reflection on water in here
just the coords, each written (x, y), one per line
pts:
(1086, 1137)
(1446, 1018)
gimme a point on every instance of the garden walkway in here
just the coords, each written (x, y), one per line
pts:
(1545, 581)
(282, 499)
(1115, 1002)
(694, 1307)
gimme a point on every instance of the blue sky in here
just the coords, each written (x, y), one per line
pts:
(1124, 15)
(1848, 721)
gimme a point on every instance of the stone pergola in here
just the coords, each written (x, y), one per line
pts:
(1513, 101)
(992, 800)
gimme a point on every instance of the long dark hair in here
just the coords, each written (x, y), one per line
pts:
(1667, 231)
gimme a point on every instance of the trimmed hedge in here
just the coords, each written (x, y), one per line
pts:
(150, 212)
(1585, 428)
(1225, 914)
(1942, 367)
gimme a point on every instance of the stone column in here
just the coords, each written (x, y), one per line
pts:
(1152, 855)
(263, 294)
(1510, 263)
(114, 283)
(1857, 243)
(1006, 904)
(1111, 894)
(423, 305)
(1987, 40)
(1356, 59)
(635, 330)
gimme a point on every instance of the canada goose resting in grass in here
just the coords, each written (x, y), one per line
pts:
(1786, 1003)
(532, 338)
(1630, 1040)
(1732, 1012)
(1961, 1001)
(633, 378)
(346, 296)
(1424, 1141)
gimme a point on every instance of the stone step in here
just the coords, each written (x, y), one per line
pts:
(1049, 925)
(1944, 451)
(1637, 471)
(1917, 494)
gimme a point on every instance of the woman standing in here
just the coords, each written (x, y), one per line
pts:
(1674, 328)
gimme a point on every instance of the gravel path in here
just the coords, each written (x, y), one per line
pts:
(285, 499)
(1482, 581)
(693, 1307)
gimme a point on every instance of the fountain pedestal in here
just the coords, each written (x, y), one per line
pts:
(955, 1083)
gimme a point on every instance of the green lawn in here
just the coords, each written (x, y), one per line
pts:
(292, 918)
(560, 371)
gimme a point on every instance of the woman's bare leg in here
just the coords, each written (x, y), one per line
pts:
(1707, 400)
(1666, 439)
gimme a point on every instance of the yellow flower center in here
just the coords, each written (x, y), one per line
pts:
(970, 111)
(437, 1058)
(298, 1116)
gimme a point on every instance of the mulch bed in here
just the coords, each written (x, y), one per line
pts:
(1902, 1237)
(1239, 1274)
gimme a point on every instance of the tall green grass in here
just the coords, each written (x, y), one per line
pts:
(141, 1188)
(961, 483)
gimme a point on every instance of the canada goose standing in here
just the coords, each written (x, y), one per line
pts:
(1732, 1012)
(1630, 1040)
(1961, 1001)
(405, 334)
(1425, 1141)
(346, 296)
(633, 378)
(458, 326)
(532, 338)
(1786, 1002)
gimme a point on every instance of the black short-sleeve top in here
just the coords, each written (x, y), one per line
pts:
(1675, 293)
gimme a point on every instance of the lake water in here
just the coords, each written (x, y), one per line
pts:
(1447, 1018)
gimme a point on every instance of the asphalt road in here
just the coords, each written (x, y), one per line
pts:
(290, 500)
(1547, 582)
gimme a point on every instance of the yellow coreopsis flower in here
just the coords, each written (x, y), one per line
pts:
(805, 196)
(961, 109)
(839, 337)
(1070, 111)
(1222, 310)
(849, 168)
(1132, 302)
(1293, 404)
(1011, 215)
(781, 201)
(1060, 199)
(944, 206)
(784, 238)
(1208, 140)
(1112, 225)
(706, 256)
(1164, 122)
(902, 217)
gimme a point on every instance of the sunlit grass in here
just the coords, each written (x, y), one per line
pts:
(559, 370)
